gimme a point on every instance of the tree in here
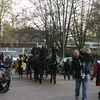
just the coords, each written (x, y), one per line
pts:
(28, 34)
(5, 17)
(82, 11)
(5, 7)
(94, 26)
(54, 18)
(8, 35)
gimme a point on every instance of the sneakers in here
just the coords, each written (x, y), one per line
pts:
(84, 99)
(77, 98)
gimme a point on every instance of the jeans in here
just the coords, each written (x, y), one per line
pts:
(84, 87)
(86, 68)
(67, 73)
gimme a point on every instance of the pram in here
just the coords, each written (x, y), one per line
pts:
(3, 82)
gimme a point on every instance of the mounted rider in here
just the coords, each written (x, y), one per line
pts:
(35, 50)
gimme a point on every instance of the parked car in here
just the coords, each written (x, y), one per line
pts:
(61, 64)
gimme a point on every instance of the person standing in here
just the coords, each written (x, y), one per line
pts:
(1, 56)
(20, 63)
(67, 69)
(8, 61)
(97, 74)
(77, 65)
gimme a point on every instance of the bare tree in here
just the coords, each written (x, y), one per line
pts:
(82, 11)
(54, 18)
(95, 21)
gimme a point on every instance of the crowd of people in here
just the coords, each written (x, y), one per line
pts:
(81, 62)
(6, 64)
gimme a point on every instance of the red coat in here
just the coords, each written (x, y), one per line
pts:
(97, 74)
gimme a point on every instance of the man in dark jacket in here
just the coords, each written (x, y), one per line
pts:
(67, 69)
(77, 65)
(44, 52)
(35, 50)
(1, 56)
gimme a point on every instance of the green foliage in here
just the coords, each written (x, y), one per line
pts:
(69, 52)
(8, 35)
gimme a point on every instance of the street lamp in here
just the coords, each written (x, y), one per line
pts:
(51, 15)
(63, 39)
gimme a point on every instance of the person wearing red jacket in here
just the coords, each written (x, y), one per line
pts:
(97, 74)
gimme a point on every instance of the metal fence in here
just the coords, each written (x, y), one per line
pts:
(19, 50)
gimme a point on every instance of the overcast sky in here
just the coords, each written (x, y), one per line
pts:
(20, 4)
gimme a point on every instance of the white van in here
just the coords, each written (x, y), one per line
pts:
(14, 54)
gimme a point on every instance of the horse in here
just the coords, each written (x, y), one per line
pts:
(41, 64)
(29, 66)
(52, 65)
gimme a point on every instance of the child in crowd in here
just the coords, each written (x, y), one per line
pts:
(87, 59)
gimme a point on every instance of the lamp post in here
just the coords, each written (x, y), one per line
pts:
(63, 40)
(63, 44)
(51, 15)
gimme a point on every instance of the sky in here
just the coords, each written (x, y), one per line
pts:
(20, 4)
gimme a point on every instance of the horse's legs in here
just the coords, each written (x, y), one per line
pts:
(35, 75)
(54, 74)
(51, 76)
(41, 76)
(27, 72)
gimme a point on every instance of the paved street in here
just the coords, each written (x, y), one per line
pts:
(26, 89)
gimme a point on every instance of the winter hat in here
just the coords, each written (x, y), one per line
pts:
(98, 61)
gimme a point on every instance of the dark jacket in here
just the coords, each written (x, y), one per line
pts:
(35, 50)
(76, 66)
(2, 57)
(8, 61)
(87, 57)
(67, 66)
